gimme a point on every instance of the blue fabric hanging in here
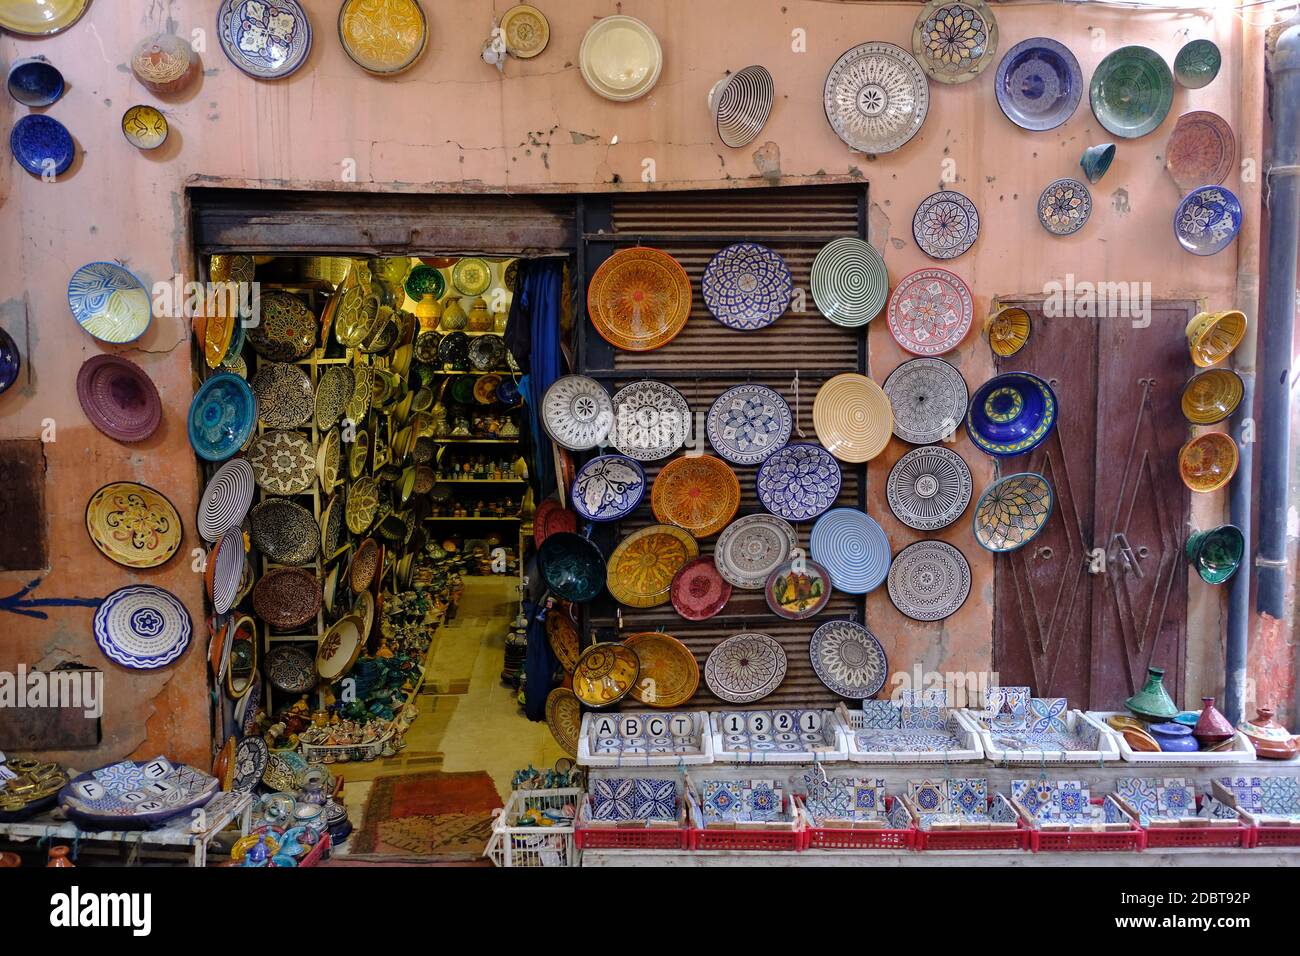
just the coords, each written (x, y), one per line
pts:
(539, 664)
(533, 335)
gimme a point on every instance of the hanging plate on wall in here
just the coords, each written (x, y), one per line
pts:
(928, 397)
(929, 580)
(267, 39)
(740, 103)
(526, 31)
(286, 331)
(930, 311)
(929, 488)
(796, 593)
(849, 282)
(669, 673)
(291, 668)
(225, 571)
(285, 398)
(285, 531)
(747, 423)
(700, 494)
(1011, 414)
(1064, 206)
(1038, 84)
(577, 413)
(109, 302)
(117, 396)
(852, 547)
(1200, 151)
(562, 635)
(955, 40)
(284, 462)
(287, 598)
(41, 144)
(471, 276)
(11, 363)
(751, 548)
(43, 19)
(226, 499)
(605, 674)
(848, 659)
(564, 718)
(639, 299)
(698, 591)
(340, 648)
(1207, 220)
(1131, 91)
(333, 392)
(945, 224)
(799, 481)
(852, 417)
(642, 567)
(876, 97)
(620, 58)
(651, 420)
(133, 525)
(607, 488)
(745, 667)
(142, 627)
(383, 37)
(746, 286)
(1011, 512)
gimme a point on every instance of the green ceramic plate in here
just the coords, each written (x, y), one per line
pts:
(1197, 64)
(1131, 91)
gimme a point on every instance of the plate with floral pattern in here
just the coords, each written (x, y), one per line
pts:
(639, 299)
(133, 525)
(876, 97)
(699, 591)
(651, 420)
(745, 667)
(1207, 220)
(1064, 206)
(267, 39)
(945, 224)
(333, 392)
(747, 286)
(930, 311)
(1013, 511)
(142, 627)
(291, 668)
(642, 567)
(752, 547)
(954, 40)
(285, 398)
(284, 462)
(929, 580)
(362, 504)
(286, 329)
(285, 532)
(799, 481)
(747, 423)
(929, 398)
(577, 413)
(848, 659)
(607, 488)
(287, 598)
(1200, 151)
(383, 37)
(700, 494)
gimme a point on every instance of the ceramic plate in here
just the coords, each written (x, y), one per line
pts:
(1211, 396)
(285, 532)
(849, 282)
(945, 224)
(358, 406)
(133, 525)
(700, 494)
(471, 276)
(848, 659)
(605, 674)
(250, 763)
(117, 396)
(799, 482)
(751, 548)
(1131, 91)
(955, 40)
(42, 145)
(284, 395)
(698, 591)
(1197, 64)
(267, 39)
(287, 330)
(1011, 414)
(226, 499)
(798, 589)
(573, 567)
(284, 462)
(364, 566)
(852, 417)
(651, 420)
(639, 299)
(929, 488)
(225, 571)
(291, 668)
(748, 423)
(668, 675)
(851, 546)
(362, 504)
(928, 397)
(562, 635)
(425, 280)
(642, 567)
(487, 352)
(620, 58)
(11, 362)
(331, 526)
(929, 580)
(1011, 512)
(1201, 150)
(287, 598)
(453, 351)
(1207, 220)
(329, 460)
(144, 127)
(333, 392)
(1038, 84)
(577, 413)
(1064, 206)
(741, 103)
(35, 82)
(354, 315)
(142, 627)
(550, 517)
(608, 488)
(340, 648)
(564, 718)
(745, 667)
(109, 302)
(40, 19)
(526, 31)
(930, 311)
(876, 97)
(746, 286)
(383, 37)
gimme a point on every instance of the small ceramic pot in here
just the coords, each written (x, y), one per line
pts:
(59, 857)
(1173, 738)
(1270, 738)
(1212, 727)
(1152, 702)
(34, 81)
(1096, 160)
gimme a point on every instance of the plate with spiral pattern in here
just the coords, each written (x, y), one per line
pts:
(740, 103)
(577, 412)
(745, 667)
(850, 545)
(850, 283)
(852, 417)
(651, 420)
(929, 488)
(226, 499)
(748, 423)
(876, 97)
(848, 659)
(929, 580)
(747, 286)
(929, 399)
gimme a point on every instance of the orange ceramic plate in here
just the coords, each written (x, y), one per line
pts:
(562, 635)
(1208, 461)
(700, 494)
(564, 717)
(642, 567)
(639, 299)
(669, 672)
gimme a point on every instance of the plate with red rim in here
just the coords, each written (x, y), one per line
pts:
(930, 311)
(698, 591)
(798, 589)
(550, 517)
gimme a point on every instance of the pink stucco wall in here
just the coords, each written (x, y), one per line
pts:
(453, 119)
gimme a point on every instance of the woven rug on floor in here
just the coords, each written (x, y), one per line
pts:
(441, 817)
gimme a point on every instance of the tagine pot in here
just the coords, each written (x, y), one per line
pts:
(1212, 727)
(59, 857)
(10, 860)
(1173, 738)
(1152, 702)
(1270, 738)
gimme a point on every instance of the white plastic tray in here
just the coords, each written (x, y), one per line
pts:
(589, 756)
(831, 726)
(972, 749)
(1107, 748)
(1242, 750)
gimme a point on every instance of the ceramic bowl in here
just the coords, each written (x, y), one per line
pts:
(1197, 64)
(109, 302)
(572, 566)
(740, 103)
(165, 63)
(1038, 84)
(34, 81)
(1207, 220)
(1216, 554)
(1211, 396)
(11, 361)
(605, 674)
(383, 37)
(144, 127)
(1096, 160)
(1007, 330)
(118, 397)
(1131, 91)
(1212, 336)
(222, 416)
(1012, 512)
(1208, 461)
(620, 58)
(42, 145)
(1011, 414)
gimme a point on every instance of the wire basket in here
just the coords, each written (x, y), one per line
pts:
(513, 844)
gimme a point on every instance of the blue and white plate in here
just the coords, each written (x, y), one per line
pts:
(142, 627)
(848, 659)
(1038, 84)
(267, 39)
(608, 488)
(109, 302)
(11, 361)
(799, 481)
(222, 417)
(852, 547)
(945, 224)
(1207, 220)
(747, 286)
(748, 423)
(42, 144)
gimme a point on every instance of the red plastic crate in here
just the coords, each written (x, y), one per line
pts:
(1017, 839)
(1162, 837)
(791, 840)
(1080, 841)
(836, 838)
(638, 838)
(1274, 836)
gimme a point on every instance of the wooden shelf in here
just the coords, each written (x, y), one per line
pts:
(449, 518)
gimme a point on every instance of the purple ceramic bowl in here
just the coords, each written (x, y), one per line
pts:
(119, 398)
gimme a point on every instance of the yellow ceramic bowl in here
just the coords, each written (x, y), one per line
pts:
(144, 127)
(1007, 330)
(1211, 396)
(1208, 461)
(1212, 336)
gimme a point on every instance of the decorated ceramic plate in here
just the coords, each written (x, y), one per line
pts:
(364, 566)
(223, 328)
(133, 525)
(852, 417)
(577, 413)
(1038, 84)
(852, 547)
(11, 363)
(287, 330)
(848, 659)
(1064, 206)
(605, 674)
(929, 488)
(42, 145)
(340, 648)
(1011, 414)
(1197, 63)
(226, 499)
(285, 532)
(849, 282)
(651, 420)
(284, 462)
(741, 103)
(747, 286)
(799, 481)
(144, 126)
(267, 39)
(357, 407)
(745, 667)
(1207, 220)
(929, 580)
(362, 504)
(287, 598)
(109, 302)
(329, 460)
(564, 718)
(750, 549)
(572, 566)
(1011, 512)
(550, 517)
(928, 397)
(747, 423)
(876, 97)
(1007, 330)
(331, 526)
(117, 396)
(487, 352)
(930, 311)
(620, 58)
(698, 591)
(1201, 150)
(225, 571)
(1211, 396)
(425, 280)
(669, 674)
(955, 40)
(40, 19)
(354, 315)
(251, 757)
(608, 488)
(284, 395)
(700, 494)
(471, 276)
(639, 299)
(291, 668)
(562, 634)
(527, 31)
(383, 37)
(798, 589)
(1131, 91)
(642, 567)
(945, 224)
(142, 627)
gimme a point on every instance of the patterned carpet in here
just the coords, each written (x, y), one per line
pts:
(437, 817)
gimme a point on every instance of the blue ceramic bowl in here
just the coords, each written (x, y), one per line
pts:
(41, 143)
(1011, 414)
(1038, 84)
(508, 392)
(608, 487)
(573, 567)
(10, 361)
(1188, 718)
(35, 81)
(222, 417)
(1174, 738)
(1207, 220)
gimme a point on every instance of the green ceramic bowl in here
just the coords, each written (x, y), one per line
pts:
(1131, 91)
(1216, 554)
(1197, 64)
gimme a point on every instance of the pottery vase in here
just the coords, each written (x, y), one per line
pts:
(1212, 727)
(479, 319)
(1173, 738)
(429, 311)
(454, 318)
(59, 857)
(1152, 701)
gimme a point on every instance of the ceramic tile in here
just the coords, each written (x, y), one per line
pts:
(1280, 796)
(880, 715)
(1247, 790)
(868, 797)
(1047, 715)
(120, 777)
(762, 800)
(636, 734)
(612, 798)
(968, 795)
(722, 799)
(928, 796)
(1139, 793)
(922, 718)
(1072, 799)
(1007, 707)
(779, 731)
(1113, 812)
(655, 799)
(1174, 798)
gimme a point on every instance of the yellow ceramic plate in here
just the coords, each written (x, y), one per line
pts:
(363, 503)
(144, 127)
(564, 717)
(670, 674)
(220, 326)
(527, 31)
(1208, 461)
(640, 572)
(853, 417)
(562, 635)
(1211, 396)
(383, 36)
(41, 19)
(1212, 336)
(471, 276)
(327, 460)
(133, 524)
(605, 673)
(620, 58)
(700, 494)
